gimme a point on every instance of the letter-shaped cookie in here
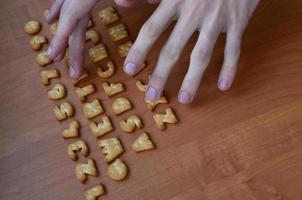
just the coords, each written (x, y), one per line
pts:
(108, 15)
(111, 148)
(73, 148)
(42, 58)
(167, 118)
(83, 92)
(117, 170)
(63, 111)
(152, 104)
(53, 27)
(93, 35)
(131, 123)
(117, 32)
(106, 73)
(102, 127)
(92, 109)
(140, 86)
(97, 53)
(57, 92)
(124, 48)
(121, 105)
(111, 89)
(72, 131)
(32, 27)
(37, 41)
(82, 170)
(48, 74)
(95, 192)
(143, 143)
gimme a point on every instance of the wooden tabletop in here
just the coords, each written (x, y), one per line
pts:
(245, 143)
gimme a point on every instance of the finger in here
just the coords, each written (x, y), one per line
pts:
(150, 31)
(231, 57)
(54, 11)
(67, 24)
(199, 61)
(76, 49)
(153, 1)
(60, 57)
(169, 56)
(125, 3)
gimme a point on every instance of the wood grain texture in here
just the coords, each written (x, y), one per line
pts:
(242, 144)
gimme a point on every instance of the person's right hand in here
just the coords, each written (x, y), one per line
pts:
(73, 20)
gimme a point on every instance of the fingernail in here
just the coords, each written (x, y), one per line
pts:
(152, 94)
(72, 72)
(130, 68)
(224, 84)
(184, 97)
(49, 50)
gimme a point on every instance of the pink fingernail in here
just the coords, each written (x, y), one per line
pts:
(130, 68)
(72, 72)
(224, 84)
(184, 97)
(152, 94)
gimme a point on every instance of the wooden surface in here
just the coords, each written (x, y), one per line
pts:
(242, 144)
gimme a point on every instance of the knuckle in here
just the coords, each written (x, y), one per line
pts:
(150, 29)
(170, 52)
(201, 55)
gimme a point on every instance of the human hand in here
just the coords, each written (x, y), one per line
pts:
(210, 18)
(73, 20)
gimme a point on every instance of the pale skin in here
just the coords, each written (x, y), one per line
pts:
(209, 17)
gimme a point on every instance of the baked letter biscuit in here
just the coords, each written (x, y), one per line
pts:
(140, 86)
(48, 74)
(97, 53)
(161, 119)
(53, 27)
(57, 92)
(92, 109)
(63, 111)
(80, 146)
(121, 105)
(117, 170)
(37, 41)
(111, 89)
(72, 131)
(108, 72)
(83, 169)
(111, 148)
(143, 143)
(131, 123)
(32, 27)
(152, 104)
(93, 35)
(42, 58)
(108, 15)
(83, 92)
(94, 192)
(124, 48)
(102, 127)
(118, 32)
